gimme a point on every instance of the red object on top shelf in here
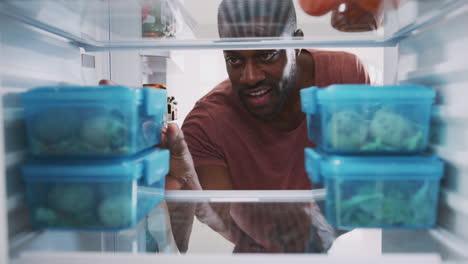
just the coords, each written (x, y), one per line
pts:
(318, 7)
(349, 15)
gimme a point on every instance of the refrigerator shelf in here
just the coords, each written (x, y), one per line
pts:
(98, 25)
(428, 245)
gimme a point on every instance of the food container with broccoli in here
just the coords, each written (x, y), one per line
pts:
(399, 192)
(93, 121)
(364, 119)
(95, 194)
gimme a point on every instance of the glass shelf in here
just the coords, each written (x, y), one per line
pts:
(121, 24)
(259, 222)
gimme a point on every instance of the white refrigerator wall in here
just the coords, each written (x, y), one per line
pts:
(31, 58)
(437, 57)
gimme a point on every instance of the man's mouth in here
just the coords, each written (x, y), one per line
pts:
(258, 92)
(258, 97)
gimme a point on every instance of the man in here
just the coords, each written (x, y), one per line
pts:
(249, 132)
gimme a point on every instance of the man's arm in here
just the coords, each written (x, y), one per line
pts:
(214, 177)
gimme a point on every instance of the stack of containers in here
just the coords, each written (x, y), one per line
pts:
(91, 147)
(370, 143)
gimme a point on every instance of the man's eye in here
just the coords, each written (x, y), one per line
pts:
(233, 60)
(268, 56)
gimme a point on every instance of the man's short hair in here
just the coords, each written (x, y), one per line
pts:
(256, 18)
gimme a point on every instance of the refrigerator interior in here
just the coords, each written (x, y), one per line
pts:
(80, 42)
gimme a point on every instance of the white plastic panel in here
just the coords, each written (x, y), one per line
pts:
(32, 58)
(196, 24)
(225, 259)
(437, 57)
(3, 204)
(27, 63)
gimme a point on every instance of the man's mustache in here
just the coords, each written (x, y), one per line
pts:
(257, 85)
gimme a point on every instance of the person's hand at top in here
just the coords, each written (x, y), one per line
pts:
(106, 82)
(318, 7)
(321, 7)
(350, 15)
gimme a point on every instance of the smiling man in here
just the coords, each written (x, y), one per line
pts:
(249, 132)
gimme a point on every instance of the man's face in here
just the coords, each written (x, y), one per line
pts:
(262, 78)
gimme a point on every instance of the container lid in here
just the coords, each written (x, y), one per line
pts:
(81, 93)
(312, 96)
(154, 100)
(149, 166)
(319, 165)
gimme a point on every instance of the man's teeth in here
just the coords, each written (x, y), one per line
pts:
(258, 93)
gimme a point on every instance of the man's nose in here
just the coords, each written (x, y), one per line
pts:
(251, 74)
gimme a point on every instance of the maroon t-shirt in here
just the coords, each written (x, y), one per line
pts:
(219, 131)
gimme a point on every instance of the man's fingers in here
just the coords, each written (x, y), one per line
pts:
(175, 140)
(173, 183)
(174, 132)
(106, 82)
(207, 215)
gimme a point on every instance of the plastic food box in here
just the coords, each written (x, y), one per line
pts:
(364, 119)
(94, 194)
(93, 121)
(398, 192)
(149, 235)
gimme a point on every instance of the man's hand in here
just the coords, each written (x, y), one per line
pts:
(106, 82)
(182, 174)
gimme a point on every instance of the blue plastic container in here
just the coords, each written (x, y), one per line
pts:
(94, 194)
(93, 121)
(398, 192)
(364, 119)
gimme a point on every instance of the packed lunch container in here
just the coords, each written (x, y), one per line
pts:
(94, 194)
(93, 121)
(363, 119)
(399, 192)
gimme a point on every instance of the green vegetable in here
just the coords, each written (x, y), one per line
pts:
(372, 130)
(392, 129)
(108, 189)
(80, 131)
(414, 142)
(115, 211)
(376, 145)
(385, 204)
(72, 198)
(55, 125)
(45, 216)
(346, 131)
(103, 132)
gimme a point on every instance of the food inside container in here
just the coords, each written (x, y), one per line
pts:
(378, 191)
(94, 194)
(93, 121)
(363, 119)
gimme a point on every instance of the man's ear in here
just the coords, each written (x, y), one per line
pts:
(298, 33)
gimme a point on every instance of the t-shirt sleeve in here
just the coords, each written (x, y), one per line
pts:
(353, 71)
(201, 136)
(339, 68)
